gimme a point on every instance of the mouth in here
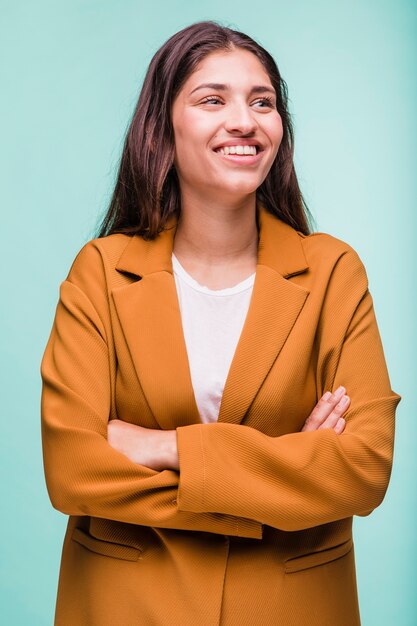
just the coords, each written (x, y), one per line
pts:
(239, 150)
(242, 155)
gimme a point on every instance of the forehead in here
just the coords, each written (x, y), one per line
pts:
(224, 66)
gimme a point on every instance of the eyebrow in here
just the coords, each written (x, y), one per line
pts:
(222, 87)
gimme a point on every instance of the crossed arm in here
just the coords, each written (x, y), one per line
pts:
(158, 450)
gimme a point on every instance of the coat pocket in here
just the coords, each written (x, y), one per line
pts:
(317, 558)
(106, 548)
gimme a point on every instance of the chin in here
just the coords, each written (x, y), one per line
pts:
(239, 187)
(242, 190)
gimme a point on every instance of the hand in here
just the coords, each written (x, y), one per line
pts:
(154, 448)
(328, 412)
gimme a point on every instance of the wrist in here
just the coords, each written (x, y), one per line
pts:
(171, 450)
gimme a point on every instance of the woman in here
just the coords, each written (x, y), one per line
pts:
(216, 404)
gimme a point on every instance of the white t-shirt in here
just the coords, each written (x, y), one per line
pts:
(212, 321)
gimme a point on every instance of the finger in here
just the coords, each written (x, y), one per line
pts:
(323, 409)
(338, 411)
(340, 426)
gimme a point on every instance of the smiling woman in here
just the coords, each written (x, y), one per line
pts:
(216, 405)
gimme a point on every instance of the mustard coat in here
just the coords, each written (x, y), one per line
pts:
(256, 527)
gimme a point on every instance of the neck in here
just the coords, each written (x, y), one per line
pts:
(217, 233)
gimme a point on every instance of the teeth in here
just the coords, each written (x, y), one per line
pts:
(251, 150)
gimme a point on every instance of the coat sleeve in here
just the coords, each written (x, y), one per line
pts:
(304, 479)
(84, 474)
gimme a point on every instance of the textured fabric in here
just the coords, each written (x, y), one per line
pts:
(212, 321)
(256, 527)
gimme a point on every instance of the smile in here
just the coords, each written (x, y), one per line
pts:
(241, 155)
(241, 150)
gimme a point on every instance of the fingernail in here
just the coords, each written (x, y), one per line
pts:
(344, 400)
(327, 395)
(340, 390)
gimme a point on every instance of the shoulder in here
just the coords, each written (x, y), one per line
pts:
(321, 245)
(106, 249)
(97, 257)
(323, 250)
(334, 264)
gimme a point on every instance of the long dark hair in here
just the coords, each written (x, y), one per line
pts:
(147, 189)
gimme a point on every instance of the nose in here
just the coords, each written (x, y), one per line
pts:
(239, 118)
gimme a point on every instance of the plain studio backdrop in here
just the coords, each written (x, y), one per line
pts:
(71, 72)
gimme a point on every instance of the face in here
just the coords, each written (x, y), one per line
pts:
(225, 108)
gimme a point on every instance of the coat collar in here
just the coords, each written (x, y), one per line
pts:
(149, 314)
(279, 248)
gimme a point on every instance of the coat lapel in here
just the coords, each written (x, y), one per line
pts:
(149, 314)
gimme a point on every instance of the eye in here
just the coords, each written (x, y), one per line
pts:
(268, 102)
(210, 100)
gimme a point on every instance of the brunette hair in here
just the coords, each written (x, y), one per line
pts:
(147, 189)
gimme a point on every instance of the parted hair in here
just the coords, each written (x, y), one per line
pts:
(147, 188)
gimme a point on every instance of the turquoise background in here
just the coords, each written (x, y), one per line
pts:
(70, 76)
